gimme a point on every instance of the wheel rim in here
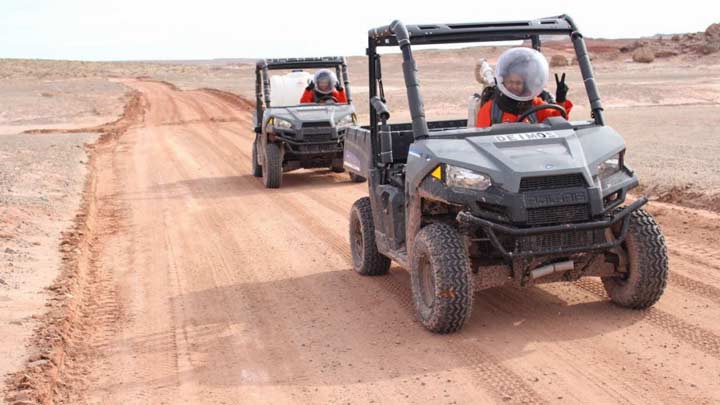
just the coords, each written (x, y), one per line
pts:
(427, 281)
(357, 242)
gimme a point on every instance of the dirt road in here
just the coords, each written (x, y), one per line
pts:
(204, 287)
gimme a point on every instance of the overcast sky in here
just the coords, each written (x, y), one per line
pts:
(162, 29)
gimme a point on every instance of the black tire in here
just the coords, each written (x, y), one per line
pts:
(365, 256)
(356, 178)
(256, 167)
(441, 279)
(647, 265)
(272, 171)
(337, 166)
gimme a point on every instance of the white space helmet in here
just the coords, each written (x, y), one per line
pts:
(325, 81)
(521, 73)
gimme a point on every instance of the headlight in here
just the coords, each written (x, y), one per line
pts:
(610, 166)
(468, 179)
(284, 124)
(347, 121)
(280, 123)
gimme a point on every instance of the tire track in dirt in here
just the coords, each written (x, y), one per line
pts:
(332, 206)
(163, 346)
(169, 347)
(700, 338)
(180, 335)
(317, 229)
(533, 304)
(174, 342)
(695, 254)
(507, 385)
(338, 246)
(696, 287)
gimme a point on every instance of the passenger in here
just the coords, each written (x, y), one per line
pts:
(521, 74)
(324, 87)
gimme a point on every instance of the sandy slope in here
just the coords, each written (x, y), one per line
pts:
(202, 286)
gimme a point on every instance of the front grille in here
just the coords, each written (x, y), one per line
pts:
(552, 241)
(558, 215)
(316, 124)
(309, 149)
(552, 182)
(317, 137)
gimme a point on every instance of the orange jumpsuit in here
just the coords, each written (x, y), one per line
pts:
(309, 96)
(484, 116)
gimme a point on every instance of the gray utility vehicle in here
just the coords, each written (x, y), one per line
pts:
(518, 204)
(296, 136)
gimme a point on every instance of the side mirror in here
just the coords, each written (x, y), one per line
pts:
(380, 108)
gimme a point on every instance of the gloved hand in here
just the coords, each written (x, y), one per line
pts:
(338, 86)
(310, 86)
(547, 97)
(327, 98)
(562, 89)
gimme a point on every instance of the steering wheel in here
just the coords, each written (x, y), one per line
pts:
(542, 107)
(328, 100)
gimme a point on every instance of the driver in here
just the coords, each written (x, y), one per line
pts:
(324, 87)
(521, 74)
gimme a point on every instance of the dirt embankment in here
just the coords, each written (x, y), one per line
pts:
(58, 345)
(41, 180)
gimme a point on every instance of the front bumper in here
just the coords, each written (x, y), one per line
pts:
(516, 242)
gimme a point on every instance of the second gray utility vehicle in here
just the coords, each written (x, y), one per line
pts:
(290, 135)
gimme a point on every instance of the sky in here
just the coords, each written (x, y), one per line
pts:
(177, 30)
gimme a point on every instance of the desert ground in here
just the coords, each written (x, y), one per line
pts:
(141, 262)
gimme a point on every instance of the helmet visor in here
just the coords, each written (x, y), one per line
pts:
(325, 81)
(521, 73)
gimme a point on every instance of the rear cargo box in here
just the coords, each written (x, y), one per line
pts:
(356, 155)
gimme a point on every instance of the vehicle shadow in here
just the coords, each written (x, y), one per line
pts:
(338, 328)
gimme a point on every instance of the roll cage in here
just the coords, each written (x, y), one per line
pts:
(398, 34)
